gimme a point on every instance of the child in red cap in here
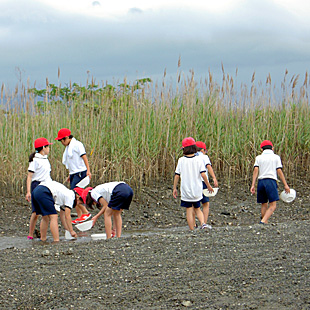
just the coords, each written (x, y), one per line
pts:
(75, 160)
(39, 170)
(202, 150)
(191, 169)
(266, 168)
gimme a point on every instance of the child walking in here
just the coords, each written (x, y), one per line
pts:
(39, 170)
(191, 169)
(75, 160)
(112, 198)
(266, 168)
(202, 151)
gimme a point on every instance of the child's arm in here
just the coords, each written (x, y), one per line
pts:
(175, 184)
(68, 220)
(212, 174)
(104, 206)
(84, 157)
(282, 178)
(255, 174)
(29, 180)
(204, 176)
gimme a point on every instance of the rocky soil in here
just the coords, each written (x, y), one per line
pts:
(158, 263)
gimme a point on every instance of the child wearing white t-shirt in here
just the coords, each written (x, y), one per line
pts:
(191, 169)
(39, 170)
(44, 198)
(75, 160)
(266, 168)
(202, 149)
(112, 198)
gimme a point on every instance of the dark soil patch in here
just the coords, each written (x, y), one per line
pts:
(239, 264)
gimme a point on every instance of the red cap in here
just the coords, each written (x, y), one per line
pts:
(82, 192)
(265, 143)
(188, 142)
(41, 142)
(63, 132)
(201, 145)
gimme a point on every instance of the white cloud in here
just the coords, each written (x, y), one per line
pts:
(251, 35)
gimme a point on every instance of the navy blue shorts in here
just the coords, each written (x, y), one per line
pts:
(43, 201)
(121, 197)
(33, 185)
(189, 204)
(267, 190)
(75, 178)
(204, 198)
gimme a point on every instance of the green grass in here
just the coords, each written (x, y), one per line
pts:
(134, 132)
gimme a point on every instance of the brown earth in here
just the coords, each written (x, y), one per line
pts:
(158, 263)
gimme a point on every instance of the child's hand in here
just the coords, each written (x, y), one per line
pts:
(73, 234)
(94, 219)
(215, 183)
(210, 189)
(28, 197)
(287, 189)
(175, 193)
(252, 190)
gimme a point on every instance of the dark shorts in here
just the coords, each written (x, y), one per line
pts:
(33, 185)
(267, 190)
(121, 197)
(43, 201)
(204, 198)
(189, 204)
(75, 178)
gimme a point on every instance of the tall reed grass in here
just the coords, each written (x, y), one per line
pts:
(134, 132)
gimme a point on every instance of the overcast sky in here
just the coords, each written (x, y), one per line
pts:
(135, 39)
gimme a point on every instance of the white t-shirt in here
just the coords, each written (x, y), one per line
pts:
(61, 194)
(206, 161)
(267, 164)
(104, 191)
(41, 168)
(190, 169)
(72, 156)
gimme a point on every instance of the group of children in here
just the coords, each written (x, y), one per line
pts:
(193, 170)
(111, 198)
(48, 196)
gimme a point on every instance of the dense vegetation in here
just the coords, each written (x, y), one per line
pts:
(133, 132)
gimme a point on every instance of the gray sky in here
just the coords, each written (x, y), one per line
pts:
(137, 39)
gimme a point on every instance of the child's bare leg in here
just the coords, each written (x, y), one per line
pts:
(44, 226)
(54, 226)
(269, 212)
(117, 216)
(199, 215)
(205, 211)
(79, 210)
(32, 223)
(264, 209)
(108, 222)
(190, 218)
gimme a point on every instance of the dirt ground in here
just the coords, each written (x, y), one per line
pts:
(158, 263)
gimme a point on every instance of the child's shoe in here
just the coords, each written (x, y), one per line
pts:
(81, 219)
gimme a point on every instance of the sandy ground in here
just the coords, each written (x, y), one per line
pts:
(159, 263)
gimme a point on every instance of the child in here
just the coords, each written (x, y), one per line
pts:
(202, 149)
(191, 168)
(38, 171)
(44, 198)
(75, 159)
(266, 167)
(112, 198)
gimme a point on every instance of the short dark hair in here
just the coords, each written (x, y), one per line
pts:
(192, 149)
(267, 147)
